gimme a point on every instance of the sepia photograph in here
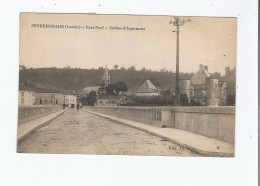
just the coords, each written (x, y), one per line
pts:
(140, 85)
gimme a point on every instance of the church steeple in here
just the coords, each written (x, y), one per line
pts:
(106, 77)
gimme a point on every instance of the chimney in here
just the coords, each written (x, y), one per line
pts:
(201, 66)
(227, 71)
(206, 67)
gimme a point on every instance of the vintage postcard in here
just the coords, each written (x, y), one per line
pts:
(127, 85)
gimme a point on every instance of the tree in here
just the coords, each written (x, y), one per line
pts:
(132, 68)
(111, 89)
(83, 100)
(91, 98)
(231, 100)
(102, 89)
(120, 86)
(143, 69)
(195, 103)
(163, 70)
(184, 100)
(22, 67)
(115, 66)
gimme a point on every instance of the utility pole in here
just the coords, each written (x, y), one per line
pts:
(177, 22)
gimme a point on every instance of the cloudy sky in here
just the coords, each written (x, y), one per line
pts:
(207, 41)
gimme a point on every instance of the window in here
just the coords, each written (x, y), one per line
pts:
(22, 93)
(22, 100)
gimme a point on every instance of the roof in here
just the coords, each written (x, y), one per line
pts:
(200, 76)
(89, 89)
(147, 87)
(111, 96)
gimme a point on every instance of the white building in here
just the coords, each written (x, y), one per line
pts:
(26, 98)
(70, 100)
(111, 100)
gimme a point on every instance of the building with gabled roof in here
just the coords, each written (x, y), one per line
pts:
(147, 89)
(87, 90)
(201, 75)
(205, 88)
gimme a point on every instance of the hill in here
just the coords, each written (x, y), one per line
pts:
(75, 79)
(68, 79)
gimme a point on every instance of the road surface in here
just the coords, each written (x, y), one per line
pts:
(84, 133)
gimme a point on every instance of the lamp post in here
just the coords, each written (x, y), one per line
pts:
(177, 22)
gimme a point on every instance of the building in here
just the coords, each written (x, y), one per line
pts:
(26, 98)
(147, 89)
(111, 100)
(70, 100)
(105, 81)
(47, 98)
(205, 88)
(87, 90)
(106, 77)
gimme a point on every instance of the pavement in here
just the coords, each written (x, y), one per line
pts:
(27, 127)
(80, 132)
(201, 144)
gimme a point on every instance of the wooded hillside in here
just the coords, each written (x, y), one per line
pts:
(75, 79)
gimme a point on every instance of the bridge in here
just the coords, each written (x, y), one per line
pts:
(166, 131)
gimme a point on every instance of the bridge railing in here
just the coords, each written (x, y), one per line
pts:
(32, 112)
(213, 122)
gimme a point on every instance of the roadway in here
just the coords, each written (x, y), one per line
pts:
(80, 132)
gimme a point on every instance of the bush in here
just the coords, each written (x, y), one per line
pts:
(184, 100)
(231, 100)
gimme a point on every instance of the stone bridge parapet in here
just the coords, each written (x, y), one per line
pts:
(213, 122)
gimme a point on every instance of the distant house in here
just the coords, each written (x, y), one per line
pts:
(47, 98)
(200, 78)
(205, 88)
(111, 100)
(70, 100)
(26, 98)
(147, 89)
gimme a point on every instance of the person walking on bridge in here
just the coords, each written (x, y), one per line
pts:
(77, 106)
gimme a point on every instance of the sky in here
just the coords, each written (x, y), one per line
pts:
(205, 40)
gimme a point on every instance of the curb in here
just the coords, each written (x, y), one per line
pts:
(39, 126)
(192, 148)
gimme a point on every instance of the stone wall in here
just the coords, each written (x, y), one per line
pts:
(214, 122)
(29, 113)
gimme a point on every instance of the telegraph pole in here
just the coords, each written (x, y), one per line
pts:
(177, 22)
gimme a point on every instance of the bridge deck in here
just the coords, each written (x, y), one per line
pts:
(85, 133)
